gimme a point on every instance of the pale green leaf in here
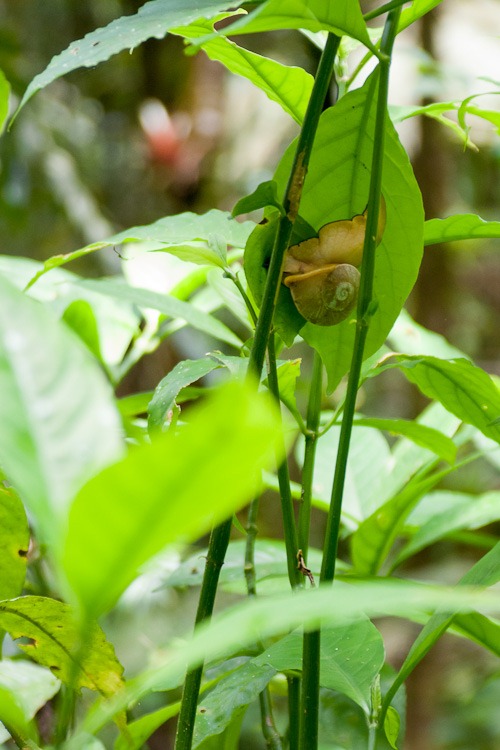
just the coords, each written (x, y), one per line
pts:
(486, 572)
(417, 9)
(31, 685)
(408, 337)
(184, 373)
(166, 304)
(449, 512)
(80, 317)
(337, 16)
(170, 491)
(4, 99)
(460, 227)
(262, 618)
(392, 724)
(435, 110)
(59, 424)
(464, 389)
(14, 542)
(427, 437)
(153, 20)
(184, 235)
(476, 627)
(265, 194)
(54, 640)
(141, 729)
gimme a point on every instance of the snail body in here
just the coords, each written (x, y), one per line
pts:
(322, 272)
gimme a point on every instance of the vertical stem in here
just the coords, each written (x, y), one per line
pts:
(364, 302)
(219, 539)
(251, 530)
(293, 712)
(287, 512)
(291, 202)
(312, 424)
(310, 701)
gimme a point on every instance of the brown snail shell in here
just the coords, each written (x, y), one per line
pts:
(325, 296)
(322, 273)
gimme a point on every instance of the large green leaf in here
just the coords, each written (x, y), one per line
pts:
(185, 235)
(465, 390)
(58, 424)
(340, 16)
(170, 491)
(54, 640)
(289, 86)
(460, 227)
(14, 542)
(486, 572)
(262, 618)
(427, 437)
(409, 337)
(336, 187)
(4, 99)
(29, 686)
(153, 20)
(448, 512)
(166, 304)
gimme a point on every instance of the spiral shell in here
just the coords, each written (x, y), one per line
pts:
(325, 296)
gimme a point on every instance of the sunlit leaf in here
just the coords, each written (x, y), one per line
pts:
(417, 9)
(153, 20)
(409, 337)
(4, 99)
(464, 389)
(170, 491)
(261, 618)
(14, 542)
(342, 16)
(459, 227)
(58, 424)
(427, 437)
(29, 685)
(54, 640)
(141, 729)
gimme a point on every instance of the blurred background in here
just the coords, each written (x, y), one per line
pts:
(153, 133)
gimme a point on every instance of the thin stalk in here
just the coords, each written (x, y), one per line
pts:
(219, 540)
(311, 440)
(220, 536)
(364, 302)
(269, 731)
(310, 701)
(291, 203)
(293, 712)
(287, 511)
(384, 9)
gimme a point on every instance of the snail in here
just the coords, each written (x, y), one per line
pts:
(322, 272)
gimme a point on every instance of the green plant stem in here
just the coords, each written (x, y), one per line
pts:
(291, 203)
(310, 693)
(384, 9)
(293, 712)
(364, 302)
(311, 441)
(287, 511)
(219, 540)
(269, 731)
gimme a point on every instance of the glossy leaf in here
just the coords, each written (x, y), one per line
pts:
(343, 171)
(288, 86)
(184, 373)
(449, 512)
(153, 20)
(4, 99)
(185, 235)
(427, 437)
(464, 389)
(53, 640)
(262, 618)
(166, 492)
(372, 541)
(460, 227)
(166, 304)
(410, 338)
(340, 17)
(486, 572)
(14, 543)
(29, 685)
(59, 424)
(141, 729)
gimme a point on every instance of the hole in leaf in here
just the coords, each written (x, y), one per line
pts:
(22, 553)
